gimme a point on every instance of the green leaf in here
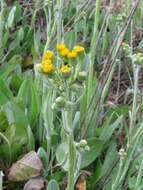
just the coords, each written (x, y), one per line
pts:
(37, 42)
(96, 147)
(3, 121)
(7, 149)
(15, 114)
(61, 155)
(15, 83)
(24, 90)
(107, 131)
(34, 109)
(70, 39)
(10, 19)
(111, 157)
(96, 175)
(5, 92)
(53, 185)
(12, 66)
(43, 156)
(20, 35)
(31, 140)
(31, 99)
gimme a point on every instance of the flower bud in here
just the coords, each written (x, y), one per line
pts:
(61, 88)
(54, 106)
(82, 76)
(82, 146)
(60, 101)
(126, 48)
(83, 143)
(139, 58)
(87, 148)
(122, 153)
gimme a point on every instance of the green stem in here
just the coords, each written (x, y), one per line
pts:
(71, 164)
(134, 106)
(139, 177)
(71, 152)
(114, 186)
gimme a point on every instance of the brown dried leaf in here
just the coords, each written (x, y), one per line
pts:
(29, 166)
(35, 183)
(81, 184)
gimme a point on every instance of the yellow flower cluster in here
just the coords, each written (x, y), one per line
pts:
(66, 53)
(47, 62)
(47, 65)
(79, 49)
(65, 69)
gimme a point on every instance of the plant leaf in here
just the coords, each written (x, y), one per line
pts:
(53, 185)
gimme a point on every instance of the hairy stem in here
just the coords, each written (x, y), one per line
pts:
(71, 151)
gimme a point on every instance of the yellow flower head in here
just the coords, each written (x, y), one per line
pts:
(48, 55)
(46, 61)
(79, 49)
(61, 47)
(64, 52)
(72, 55)
(47, 68)
(65, 69)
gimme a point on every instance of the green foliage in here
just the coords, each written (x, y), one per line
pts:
(53, 185)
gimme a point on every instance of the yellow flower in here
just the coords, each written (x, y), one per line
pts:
(72, 54)
(61, 47)
(79, 49)
(64, 52)
(65, 69)
(46, 61)
(48, 55)
(47, 68)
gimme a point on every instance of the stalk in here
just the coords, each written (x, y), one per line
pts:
(114, 186)
(71, 152)
(135, 92)
(72, 155)
(139, 177)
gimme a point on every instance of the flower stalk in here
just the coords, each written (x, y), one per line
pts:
(135, 93)
(71, 150)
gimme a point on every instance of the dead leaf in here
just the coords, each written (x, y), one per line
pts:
(29, 166)
(35, 183)
(81, 184)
